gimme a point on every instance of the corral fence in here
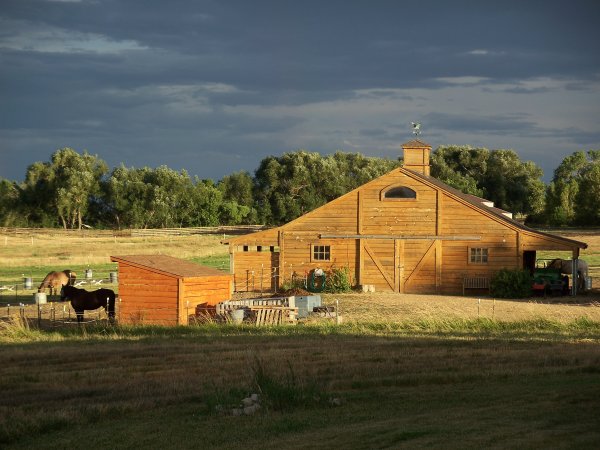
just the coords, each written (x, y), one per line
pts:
(18, 299)
(136, 232)
(53, 314)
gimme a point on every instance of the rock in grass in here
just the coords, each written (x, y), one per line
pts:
(249, 410)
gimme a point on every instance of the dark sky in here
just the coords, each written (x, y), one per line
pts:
(213, 87)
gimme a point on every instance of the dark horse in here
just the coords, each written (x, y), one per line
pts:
(82, 300)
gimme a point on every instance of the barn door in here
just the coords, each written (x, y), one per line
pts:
(382, 263)
(423, 266)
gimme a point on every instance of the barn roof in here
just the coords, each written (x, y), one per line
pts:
(168, 265)
(480, 203)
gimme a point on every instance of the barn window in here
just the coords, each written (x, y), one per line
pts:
(478, 255)
(398, 193)
(321, 253)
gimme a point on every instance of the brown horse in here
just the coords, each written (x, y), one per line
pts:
(54, 281)
(82, 300)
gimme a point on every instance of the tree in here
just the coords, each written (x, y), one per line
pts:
(10, 204)
(298, 182)
(563, 192)
(75, 180)
(238, 198)
(498, 175)
(460, 167)
(587, 210)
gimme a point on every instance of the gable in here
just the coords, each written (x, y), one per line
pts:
(436, 209)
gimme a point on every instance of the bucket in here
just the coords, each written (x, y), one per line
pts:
(113, 277)
(237, 315)
(40, 298)
(88, 274)
(588, 283)
(27, 283)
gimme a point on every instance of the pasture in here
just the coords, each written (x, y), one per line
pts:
(400, 371)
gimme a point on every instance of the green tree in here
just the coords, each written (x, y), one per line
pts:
(498, 175)
(10, 204)
(460, 167)
(563, 192)
(76, 179)
(60, 191)
(298, 182)
(238, 207)
(587, 206)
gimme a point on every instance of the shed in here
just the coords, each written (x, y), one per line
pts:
(163, 290)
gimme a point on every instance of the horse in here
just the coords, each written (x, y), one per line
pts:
(566, 266)
(82, 300)
(56, 280)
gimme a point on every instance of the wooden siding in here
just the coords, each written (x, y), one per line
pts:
(416, 245)
(255, 271)
(153, 298)
(147, 297)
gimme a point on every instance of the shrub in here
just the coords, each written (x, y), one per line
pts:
(511, 283)
(338, 280)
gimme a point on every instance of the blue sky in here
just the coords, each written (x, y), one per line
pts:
(213, 87)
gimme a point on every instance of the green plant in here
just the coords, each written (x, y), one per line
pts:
(511, 283)
(285, 393)
(338, 280)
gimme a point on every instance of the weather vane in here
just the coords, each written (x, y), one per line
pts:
(416, 128)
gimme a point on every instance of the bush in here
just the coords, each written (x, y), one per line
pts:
(511, 283)
(338, 280)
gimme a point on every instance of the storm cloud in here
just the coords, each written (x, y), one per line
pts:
(215, 86)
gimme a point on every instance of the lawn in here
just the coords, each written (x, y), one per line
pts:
(469, 384)
(400, 371)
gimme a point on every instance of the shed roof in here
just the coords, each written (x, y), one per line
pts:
(169, 265)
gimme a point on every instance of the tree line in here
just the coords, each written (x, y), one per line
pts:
(75, 190)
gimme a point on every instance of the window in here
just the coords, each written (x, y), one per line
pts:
(478, 255)
(398, 193)
(321, 253)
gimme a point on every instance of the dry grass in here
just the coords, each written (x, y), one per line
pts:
(47, 249)
(160, 389)
(383, 307)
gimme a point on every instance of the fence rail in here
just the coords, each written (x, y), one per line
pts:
(224, 229)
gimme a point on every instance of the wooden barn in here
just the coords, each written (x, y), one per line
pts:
(404, 232)
(163, 290)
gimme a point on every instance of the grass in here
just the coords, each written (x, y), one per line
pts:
(409, 371)
(453, 385)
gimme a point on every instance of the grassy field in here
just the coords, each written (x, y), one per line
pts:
(445, 384)
(399, 372)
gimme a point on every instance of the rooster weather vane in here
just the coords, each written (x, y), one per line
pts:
(416, 128)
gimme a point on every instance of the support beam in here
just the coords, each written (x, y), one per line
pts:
(403, 237)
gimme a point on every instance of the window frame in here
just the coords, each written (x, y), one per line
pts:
(478, 259)
(326, 250)
(384, 191)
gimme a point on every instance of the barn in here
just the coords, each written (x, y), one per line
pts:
(163, 290)
(403, 232)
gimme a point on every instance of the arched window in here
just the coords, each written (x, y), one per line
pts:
(398, 193)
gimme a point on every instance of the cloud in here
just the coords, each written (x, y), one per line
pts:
(180, 82)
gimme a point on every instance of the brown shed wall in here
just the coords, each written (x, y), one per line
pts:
(154, 298)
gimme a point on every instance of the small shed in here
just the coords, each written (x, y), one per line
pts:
(163, 290)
